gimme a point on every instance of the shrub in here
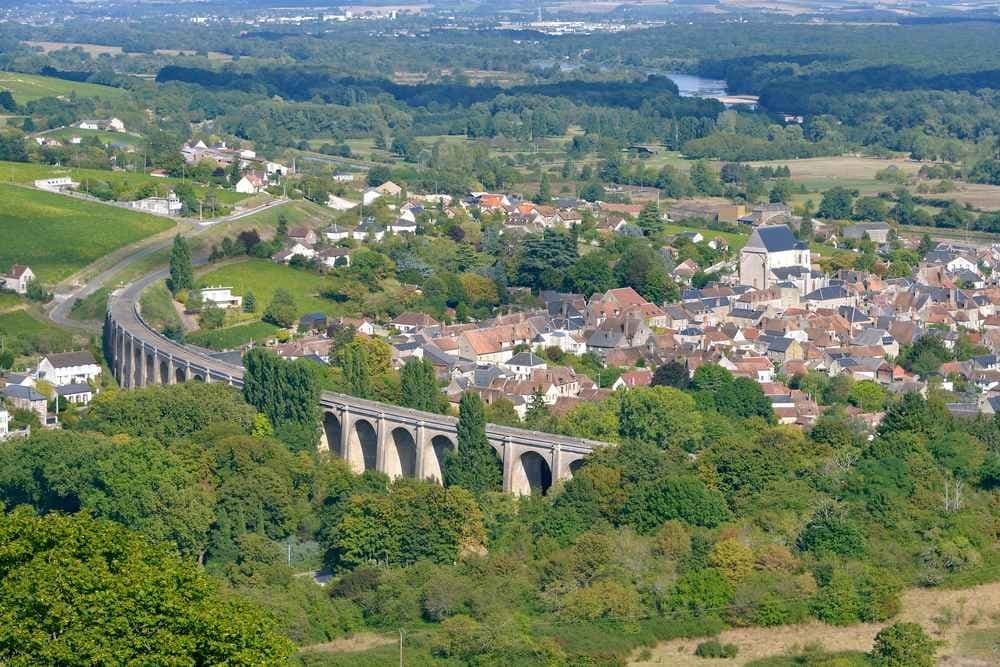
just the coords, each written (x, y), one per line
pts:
(714, 649)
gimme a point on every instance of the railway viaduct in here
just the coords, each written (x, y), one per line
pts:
(367, 434)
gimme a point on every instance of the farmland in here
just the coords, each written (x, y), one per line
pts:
(113, 138)
(57, 236)
(30, 87)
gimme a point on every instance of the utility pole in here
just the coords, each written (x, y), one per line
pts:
(401, 633)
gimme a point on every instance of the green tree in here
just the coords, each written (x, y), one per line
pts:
(69, 585)
(475, 465)
(705, 179)
(590, 274)
(282, 310)
(281, 232)
(868, 396)
(181, 271)
(415, 520)
(544, 189)
(287, 392)
(903, 645)
(357, 371)
(663, 416)
(672, 374)
(837, 204)
(249, 302)
(649, 219)
(136, 482)
(684, 498)
(418, 386)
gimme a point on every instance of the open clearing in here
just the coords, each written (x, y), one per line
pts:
(263, 277)
(847, 167)
(963, 620)
(29, 87)
(980, 196)
(91, 49)
(57, 235)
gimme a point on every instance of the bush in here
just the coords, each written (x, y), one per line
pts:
(714, 649)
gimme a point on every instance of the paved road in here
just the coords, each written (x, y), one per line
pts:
(63, 303)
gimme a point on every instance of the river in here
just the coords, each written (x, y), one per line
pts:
(691, 85)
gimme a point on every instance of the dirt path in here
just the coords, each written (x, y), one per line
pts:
(362, 641)
(946, 614)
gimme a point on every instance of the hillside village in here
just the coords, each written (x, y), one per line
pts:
(771, 313)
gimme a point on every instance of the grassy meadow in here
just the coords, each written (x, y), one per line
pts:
(57, 236)
(263, 277)
(29, 87)
(25, 334)
(233, 337)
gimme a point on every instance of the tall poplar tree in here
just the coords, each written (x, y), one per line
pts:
(475, 466)
(181, 270)
(418, 386)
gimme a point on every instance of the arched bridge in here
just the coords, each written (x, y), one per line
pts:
(367, 434)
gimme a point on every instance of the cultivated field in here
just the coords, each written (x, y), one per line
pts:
(965, 621)
(28, 87)
(57, 235)
(980, 196)
(91, 49)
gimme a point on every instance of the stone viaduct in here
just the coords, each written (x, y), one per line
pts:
(367, 434)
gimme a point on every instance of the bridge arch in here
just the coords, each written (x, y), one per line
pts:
(437, 450)
(575, 466)
(333, 434)
(363, 453)
(151, 375)
(180, 375)
(401, 454)
(531, 475)
(164, 372)
(138, 365)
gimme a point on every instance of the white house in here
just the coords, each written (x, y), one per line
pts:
(369, 197)
(272, 168)
(368, 228)
(78, 393)
(521, 365)
(343, 178)
(339, 203)
(336, 233)
(17, 279)
(57, 184)
(169, 205)
(773, 248)
(402, 226)
(69, 368)
(251, 184)
(222, 297)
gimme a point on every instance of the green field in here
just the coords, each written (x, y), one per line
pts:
(263, 277)
(57, 236)
(157, 306)
(25, 335)
(28, 172)
(92, 307)
(29, 87)
(233, 337)
(9, 300)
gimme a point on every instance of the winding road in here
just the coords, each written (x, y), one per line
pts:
(63, 303)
